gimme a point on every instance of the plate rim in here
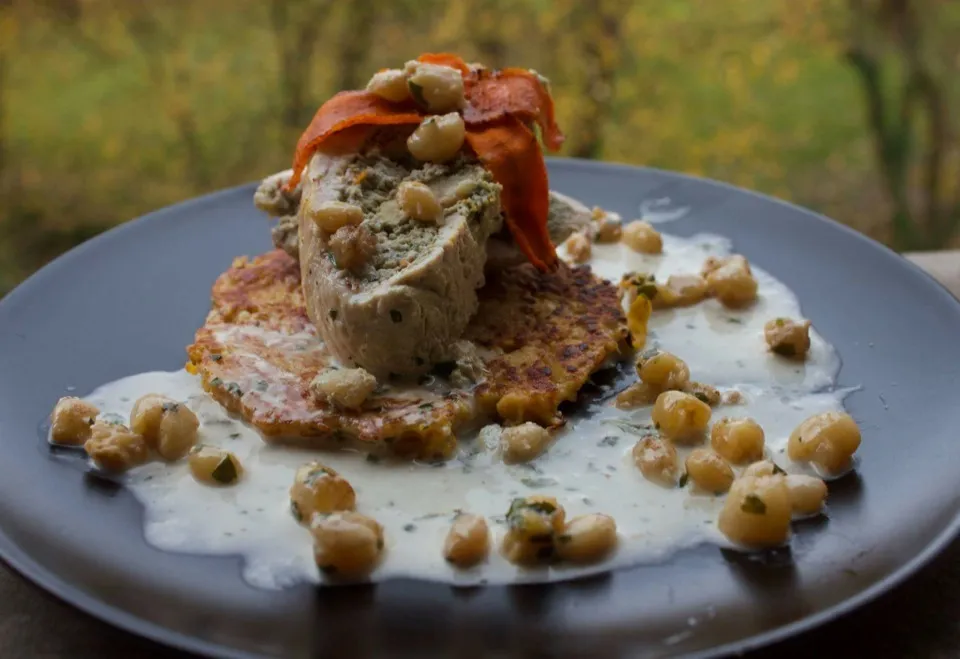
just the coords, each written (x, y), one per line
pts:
(52, 585)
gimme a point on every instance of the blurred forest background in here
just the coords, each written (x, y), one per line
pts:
(112, 108)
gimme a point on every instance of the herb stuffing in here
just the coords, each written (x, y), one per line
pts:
(225, 472)
(753, 505)
(631, 427)
(518, 506)
(416, 91)
(785, 349)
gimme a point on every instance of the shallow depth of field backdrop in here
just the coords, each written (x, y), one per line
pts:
(111, 108)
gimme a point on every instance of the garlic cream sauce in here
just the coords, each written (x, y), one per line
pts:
(588, 467)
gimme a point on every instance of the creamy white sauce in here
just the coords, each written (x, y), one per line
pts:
(588, 468)
(661, 210)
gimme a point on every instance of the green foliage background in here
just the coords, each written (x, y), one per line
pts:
(111, 108)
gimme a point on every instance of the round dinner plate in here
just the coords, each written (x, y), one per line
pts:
(129, 301)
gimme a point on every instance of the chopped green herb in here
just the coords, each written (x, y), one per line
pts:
(702, 397)
(234, 388)
(426, 406)
(216, 358)
(785, 349)
(333, 314)
(225, 472)
(216, 382)
(642, 429)
(409, 528)
(261, 385)
(417, 92)
(537, 483)
(777, 469)
(372, 458)
(517, 506)
(648, 290)
(684, 477)
(170, 407)
(295, 511)
(444, 369)
(609, 440)
(396, 316)
(780, 322)
(234, 435)
(734, 321)
(647, 354)
(753, 505)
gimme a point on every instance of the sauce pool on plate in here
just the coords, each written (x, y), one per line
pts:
(588, 466)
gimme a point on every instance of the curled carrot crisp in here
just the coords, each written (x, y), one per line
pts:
(514, 92)
(344, 110)
(509, 150)
(499, 105)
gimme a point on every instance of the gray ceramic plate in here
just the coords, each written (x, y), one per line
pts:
(130, 300)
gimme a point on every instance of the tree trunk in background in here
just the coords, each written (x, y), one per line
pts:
(68, 14)
(6, 31)
(891, 139)
(599, 25)
(157, 48)
(486, 31)
(296, 26)
(879, 31)
(355, 33)
(3, 118)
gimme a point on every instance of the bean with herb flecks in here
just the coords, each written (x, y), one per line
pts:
(468, 541)
(739, 441)
(533, 526)
(318, 488)
(829, 440)
(169, 426)
(346, 544)
(214, 466)
(587, 538)
(708, 471)
(757, 511)
(71, 421)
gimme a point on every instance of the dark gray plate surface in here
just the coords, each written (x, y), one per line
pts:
(129, 301)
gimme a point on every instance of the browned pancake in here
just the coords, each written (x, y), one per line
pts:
(545, 333)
